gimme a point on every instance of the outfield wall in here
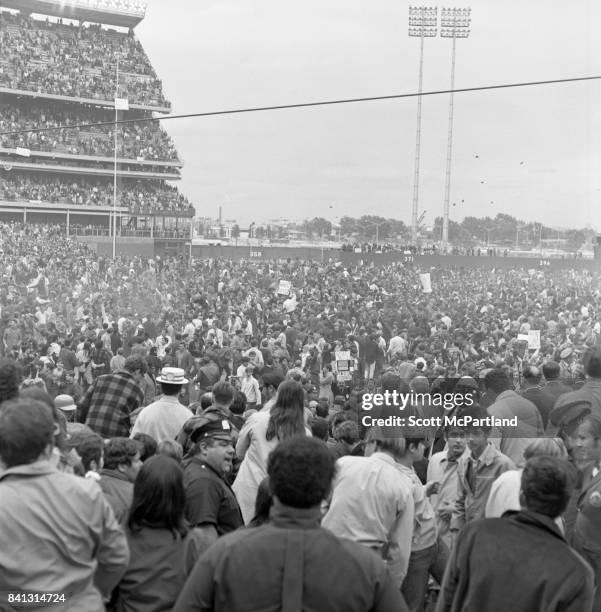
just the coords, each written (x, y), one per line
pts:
(423, 261)
(147, 247)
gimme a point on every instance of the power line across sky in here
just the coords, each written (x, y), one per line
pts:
(306, 104)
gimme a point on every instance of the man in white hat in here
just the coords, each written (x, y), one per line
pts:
(164, 418)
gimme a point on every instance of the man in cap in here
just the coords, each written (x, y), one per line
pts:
(209, 499)
(591, 390)
(66, 405)
(219, 399)
(565, 418)
(281, 565)
(164, 418)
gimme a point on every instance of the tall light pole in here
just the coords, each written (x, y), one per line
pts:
(422, 23)
(454, 24)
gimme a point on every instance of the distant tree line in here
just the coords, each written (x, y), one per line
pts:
(501, 230)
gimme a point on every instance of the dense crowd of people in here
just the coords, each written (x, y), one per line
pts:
(137, 195)
(126, 229)
(385, 247)
(90, 167)
(388, 247)
(144, 141)
(210, 432)
(77, 61)
(433, 249)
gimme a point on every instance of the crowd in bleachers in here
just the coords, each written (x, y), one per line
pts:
(140, 141)
(126, 229)
(137, 195)
(77, 61)
(106, 165)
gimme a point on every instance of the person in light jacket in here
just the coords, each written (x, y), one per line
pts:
(58, 534)
(260, 435)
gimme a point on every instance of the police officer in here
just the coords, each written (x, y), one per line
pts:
(209, 499)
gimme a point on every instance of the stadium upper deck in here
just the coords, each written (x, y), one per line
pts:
(122, 13)
(64, 64)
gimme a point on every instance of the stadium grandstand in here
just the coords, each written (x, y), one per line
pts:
(73, 63)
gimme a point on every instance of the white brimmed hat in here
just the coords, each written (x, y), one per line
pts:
(172, 376)
(65, 403)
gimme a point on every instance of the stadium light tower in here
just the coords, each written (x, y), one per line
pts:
(422, 24)
(454, 24)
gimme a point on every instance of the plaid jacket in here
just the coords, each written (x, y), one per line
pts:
(108, 403)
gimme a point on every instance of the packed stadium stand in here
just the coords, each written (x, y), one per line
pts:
(75, 63)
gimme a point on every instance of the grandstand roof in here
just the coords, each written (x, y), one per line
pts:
(122, 13)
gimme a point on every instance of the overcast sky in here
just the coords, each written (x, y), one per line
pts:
(359, 158)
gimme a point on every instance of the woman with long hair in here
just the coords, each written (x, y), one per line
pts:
(163, 549)
(260, 435)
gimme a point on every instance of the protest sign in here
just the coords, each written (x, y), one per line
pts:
(426, 282)
(284, 287)
(534, 339)
(344, 366)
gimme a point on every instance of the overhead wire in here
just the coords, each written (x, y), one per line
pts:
(301, 105)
